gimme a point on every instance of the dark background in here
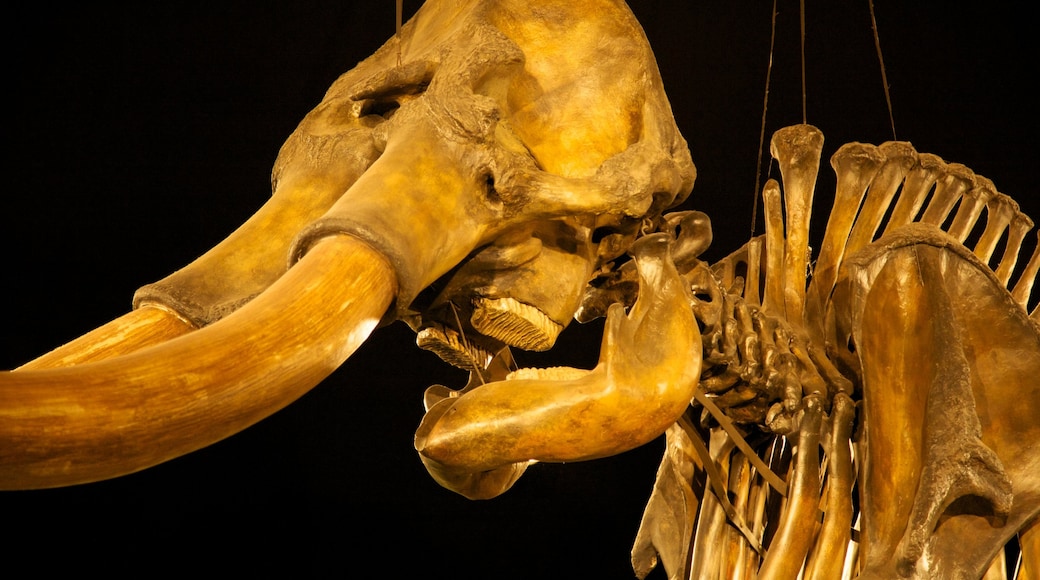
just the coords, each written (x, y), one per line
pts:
(139, 136)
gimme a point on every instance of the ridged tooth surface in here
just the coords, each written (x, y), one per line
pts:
(451, 348)
(546, 374)
(650, 362)
(515, 323)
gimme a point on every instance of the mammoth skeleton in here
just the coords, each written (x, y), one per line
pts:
(403, 80)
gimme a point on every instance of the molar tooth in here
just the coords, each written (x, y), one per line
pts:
(515, 323)
(452, 348)
(648, 371)
(546, 374)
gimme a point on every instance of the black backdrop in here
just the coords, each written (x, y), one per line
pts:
(142, 135)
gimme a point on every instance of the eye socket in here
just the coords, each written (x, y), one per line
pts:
(384, 108)
(492, 194)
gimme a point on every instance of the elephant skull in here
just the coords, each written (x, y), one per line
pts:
(479, 166)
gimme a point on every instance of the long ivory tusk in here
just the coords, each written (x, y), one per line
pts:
(256, 254)
(649, 366)
(227, 276)
(137, 329)
(96, 421)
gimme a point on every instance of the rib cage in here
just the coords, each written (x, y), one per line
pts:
(879, 190)
(886, 187)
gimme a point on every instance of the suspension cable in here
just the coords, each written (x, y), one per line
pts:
(397, 33)
(884, 75)
(762, 132)
(801, 11)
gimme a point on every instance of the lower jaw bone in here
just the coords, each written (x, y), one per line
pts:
(649, 365)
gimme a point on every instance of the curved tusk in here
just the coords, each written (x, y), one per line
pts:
(649, 366)
(245, 263)
(137, 329)
(256, 254)
(113, 417)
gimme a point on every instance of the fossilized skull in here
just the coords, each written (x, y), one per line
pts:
(491, 133)
(506, 150)
(483, 153)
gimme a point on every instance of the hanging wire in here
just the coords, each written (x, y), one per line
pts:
(762, 133)
(884, 75)
(397, 33)
(801, 6)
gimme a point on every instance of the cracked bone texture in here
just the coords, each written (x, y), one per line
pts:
(649, 364)
(916, 326)
(893, 324)
(491, 125)
(926, 534)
